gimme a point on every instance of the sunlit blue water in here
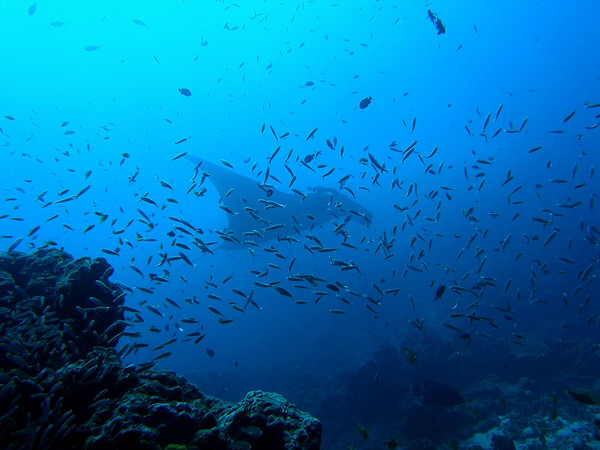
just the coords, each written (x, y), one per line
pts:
(90, 96)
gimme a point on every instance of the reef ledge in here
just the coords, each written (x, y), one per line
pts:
(63, 384)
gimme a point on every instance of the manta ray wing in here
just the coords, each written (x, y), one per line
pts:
(257, 213)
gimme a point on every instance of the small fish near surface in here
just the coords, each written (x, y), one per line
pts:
(411, 355)
(436, 21)
(365, 102)
(439, 292)
(185, 92)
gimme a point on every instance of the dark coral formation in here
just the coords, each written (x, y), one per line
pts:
(62, 384)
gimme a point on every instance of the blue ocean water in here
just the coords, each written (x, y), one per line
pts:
(476, 157)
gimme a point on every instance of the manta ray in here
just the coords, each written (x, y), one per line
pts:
(259, 212)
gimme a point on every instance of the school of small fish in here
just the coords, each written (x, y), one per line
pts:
(423, 248)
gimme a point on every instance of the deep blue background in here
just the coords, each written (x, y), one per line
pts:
(248, 65)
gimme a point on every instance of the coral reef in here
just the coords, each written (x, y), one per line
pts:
(63, 385)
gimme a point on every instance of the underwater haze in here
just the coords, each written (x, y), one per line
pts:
(385, 211)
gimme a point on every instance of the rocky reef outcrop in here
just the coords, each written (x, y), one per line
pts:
(63, 384)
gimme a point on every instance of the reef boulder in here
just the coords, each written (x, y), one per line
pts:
(63, 385)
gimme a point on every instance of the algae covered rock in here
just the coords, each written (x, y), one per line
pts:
(265, 420)
(63, 384)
